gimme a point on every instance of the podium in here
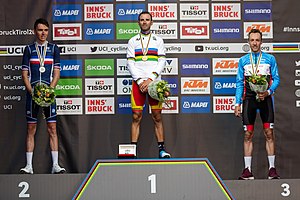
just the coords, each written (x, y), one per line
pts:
(167, 179)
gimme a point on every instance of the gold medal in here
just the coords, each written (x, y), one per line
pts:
(144, 58)
(145, 50)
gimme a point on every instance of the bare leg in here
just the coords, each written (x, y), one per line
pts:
(31, 129)
(270, 144)
(135, 126)
(248, 144)
(158, 125)
(53, 136)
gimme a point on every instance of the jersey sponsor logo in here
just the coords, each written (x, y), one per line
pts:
(195, 85)
(195, 11)
(126, 12)
(124, 86)
(223, 104)
(71, 68)
(226, 11)
(171, 67)
(100, 105)
(266, 28)
(165, 30)
(226, 30)
(99, 86)
(162, 11)
(225, 66)
(197, 66)
(67, 13)
(69, 106)
(195, 104)
(99, 31)
(224, 85)
(98, 12)
(194, 30)
(67, 32)
(257, 11)
(69, 86)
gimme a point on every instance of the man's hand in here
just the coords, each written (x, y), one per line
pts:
(144, 85)
(237, 111)
(263, 95)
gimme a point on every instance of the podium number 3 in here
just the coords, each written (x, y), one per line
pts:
(286, 190)
(152, 179)
(25, 187)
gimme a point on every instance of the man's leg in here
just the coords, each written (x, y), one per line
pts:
(51, 127)
(135, 126)
(159, 132)
(31, 130)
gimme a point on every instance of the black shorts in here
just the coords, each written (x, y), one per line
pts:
(265, 108)
(32, 110)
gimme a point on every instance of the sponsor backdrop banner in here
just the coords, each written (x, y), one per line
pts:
(204, 40)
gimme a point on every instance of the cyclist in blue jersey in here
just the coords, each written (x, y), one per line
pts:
(41, 63)
(261, 64)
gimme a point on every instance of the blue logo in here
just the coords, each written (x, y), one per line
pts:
(258, 11)
(71, 68)
(195, 104)
(124, 105)
(173, 84)
(67, 13)
(226, 30)
(224, 85)
(129, 11)
(99, 31)
(195, 66)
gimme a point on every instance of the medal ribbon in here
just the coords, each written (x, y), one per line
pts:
(41, 57)
(256, 64)
(145, 51)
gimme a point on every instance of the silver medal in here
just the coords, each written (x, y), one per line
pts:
(42, 69)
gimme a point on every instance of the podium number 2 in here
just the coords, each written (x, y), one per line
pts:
(152, 179)
(25, 187)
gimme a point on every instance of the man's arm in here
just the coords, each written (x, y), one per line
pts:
(56, 71)
(26, 81)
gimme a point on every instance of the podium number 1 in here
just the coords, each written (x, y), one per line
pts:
(152, 179)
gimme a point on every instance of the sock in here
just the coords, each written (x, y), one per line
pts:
(271, 161)
(161, 146)
(29, 156)
(247, 160)
(54, 157)
(134, 143)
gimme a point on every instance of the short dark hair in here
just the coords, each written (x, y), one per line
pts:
(145, 12)
(254, 31)
(40, 21)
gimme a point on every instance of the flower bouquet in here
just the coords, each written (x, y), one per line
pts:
(258, 83)
(43, 95)
(159, 90)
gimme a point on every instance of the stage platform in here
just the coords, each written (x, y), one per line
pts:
(64, 187)
(140, 179)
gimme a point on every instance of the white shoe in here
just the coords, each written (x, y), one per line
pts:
(27, 170)
(164, 154)
(56, 169)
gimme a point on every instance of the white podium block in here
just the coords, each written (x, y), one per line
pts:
(127, 151)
